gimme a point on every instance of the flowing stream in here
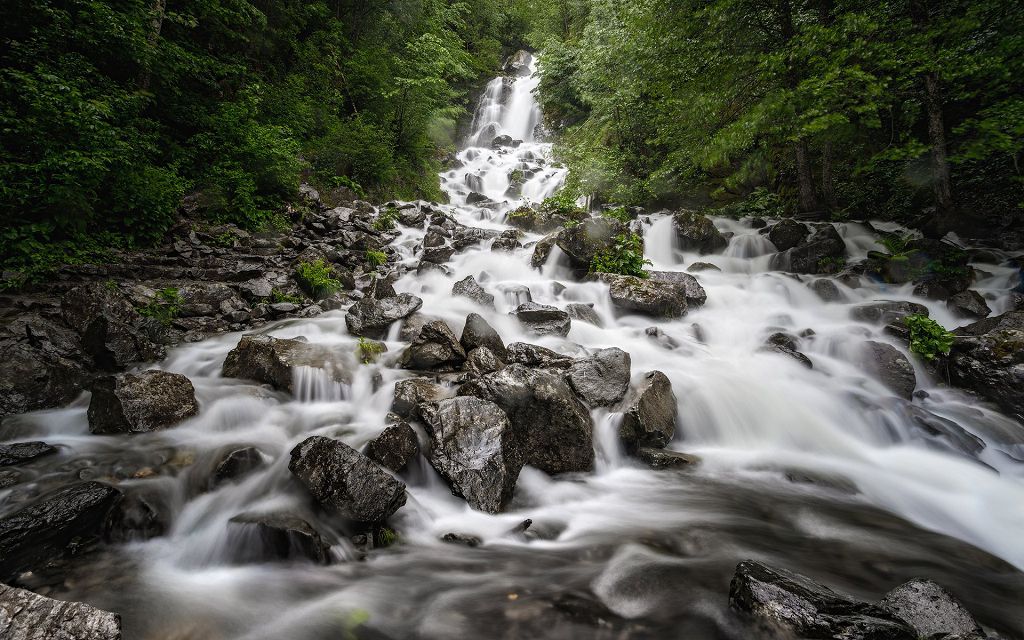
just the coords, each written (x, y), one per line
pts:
(821, 470)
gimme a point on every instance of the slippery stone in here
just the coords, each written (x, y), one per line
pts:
(601, 379)
(411, 393)
(42, 364)
(475, 449)
(532, 355)
(788, 233)
(665, 459)
(582, 242)
(650, 420)
(371, 318)
(886, 311)
(278, 536)
(655, 298)
(931, 610)
(434, 347)
(987, 357)
(395, 446)
(468, 287)
(891, 367)
(29, 616)
(542, 319)
(236, 464)
(823, 252)
(138, 403)
(19, 452)
(969, 304)
(272, 360)
(481, 361)
(696, 232)
(695, 294)
(112, 332)
(583, 313)
(478, 333)
(345, 481)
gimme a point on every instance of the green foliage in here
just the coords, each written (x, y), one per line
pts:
(618, 213)
(386, 219)
(562, 204)
(165, 306)
(369, 350)
(760, 203)
(625, 257)
(276, 295)
(896, 245)
(831, 264)
(516, 176)
(376, 258)
(315, 279)
(928, 338)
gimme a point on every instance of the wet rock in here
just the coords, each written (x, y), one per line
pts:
(29, 616)
(532, 355)
(463, 539)
(208, 298)
(505, 141)
(138, 403)
(271, 360)
(788, 233)
(969, 304)
(584, 313)
(518, 63)
(19, 452)
(371, 318)
(650, 297)
(506, 241)
(697, 267)
(553, 427)
(412, 325)
(886, 311)
(58, 524)
(468, 287)
(482, 360)
(542, 319)
(790, 352)
(434, 347)
(345, 481)
(667, 341)
(516, 294)
(136, 518)
(942, 287)
(665, 459)
(438, 255)
(888, 364)
(413, 392)
(988, 358)
(931, 610)
(824, 252)
(279, 536)
(542, 250)
(395, 446)
(582, 242)
(650, 420)
(236, 464)
(475, 450)
(601, 379)
(695, 294)
(826, 289)
(478, 333)
(468, 236)
(112, 332)
(809, 609)
(696, 232)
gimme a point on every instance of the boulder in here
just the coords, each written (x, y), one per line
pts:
(942, 286)
(788, 233)
(371, 318)
(969, 304)
(236, 464)
(468, 236)
(271, 360)
(434, 347)
(518, 64)
(886, 311)
(786, 345)
(344, 481)
(695, 294)
(278, 536)
(988, 358)
(891, 367)
(532, 355)
(808, 609)
(468, 287)
(478, 333)
(19, 452)
(542, 319)
(112, 332)
(542, 250)
(665, 459)
(29, 616)
(57, 524)
(824, 252)
(655, 298)
(931, 610)
(650, 420)
(554, 428)
(482, 360)
(41, 364)
(140, 402)
(826, 289)
(601, 379)
(475, 449)
(395, 446)
(583, 313)
(582, 242)
(697, 267)
(696, 232)
(208, 299)
(413, 392)
(508, 240)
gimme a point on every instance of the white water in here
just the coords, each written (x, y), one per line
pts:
(751, 416)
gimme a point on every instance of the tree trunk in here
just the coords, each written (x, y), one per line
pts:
(157, 11)
(828, 185)
(808, 199)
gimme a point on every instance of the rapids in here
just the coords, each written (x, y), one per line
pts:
(817, 470)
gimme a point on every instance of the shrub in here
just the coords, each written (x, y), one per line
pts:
(165, 306)
(369, 350)
(759, 203)
(928, 338)
(315, 279)
(618, 213)
(280, 296)
(376, 258)
(562, 204)
(386, 219)
(625, 258)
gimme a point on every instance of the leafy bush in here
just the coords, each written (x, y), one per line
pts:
(618, 213)
(928, 338)
(386, 219)
(759, 203)
(562, 204)
(625, 258)
(376, 258)
(280, 296)
(165, 306)
(369, 350)
(315, 279)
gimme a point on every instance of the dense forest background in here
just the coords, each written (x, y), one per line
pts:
(116, 116)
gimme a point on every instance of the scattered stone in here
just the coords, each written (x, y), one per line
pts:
(138, 403)
(481, 361)
(542, 250)
(271, 360)
(969, 304)
(827, 290)
(532, 355)
(468, 287)
(824, 252)
(943, 287)
(475, 449)
(237, 463)
(19, 452)
(112, 332)
(988, 358)
(468, 236)
(345, 481)
(788, 233)
(888, 364)
(584, 313)
(413, 392)
(887, 311)
(395, 446)
(650, 420)
(650, 297)
(434, 347)
(665, 459)
(371, 318)
(697, 267)
(542, 319)
(695, 294)
(279, 536)
(463, 539)
(29, 616)
(696, 232)
(582, 242)
(506, 241)
(931, 610)
(601, 379)
(478, 333)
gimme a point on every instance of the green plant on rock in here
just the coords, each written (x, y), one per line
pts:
(369, 350)
(516, 176)
(225, 240)
(625, 257)
(928, 338)
(562, 204)
(831, 264)
(315, 279)
(386, 219)
(376, 258)
(524, 211)
(280, 296)
(164, 307)
(618, 213)
(759, 203)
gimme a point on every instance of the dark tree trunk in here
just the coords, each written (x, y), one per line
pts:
(157, 11)
(828, 186)
(808, 199)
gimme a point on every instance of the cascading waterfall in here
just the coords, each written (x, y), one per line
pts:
(817, 468)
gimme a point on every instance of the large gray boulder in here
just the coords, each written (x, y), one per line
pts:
(435, 347)
(931, 610)
(140, 402)
(345, 481)
(695, 294)
(808, 609)
(475, 449)
(554, 428)
(20, 452)
(112, 332)
(696, 232)
(532, 355)
(271, 360)
(650, 420)
(582, 242)
(788, 233)
(468, 287)
(824, 252)
(891, 367)
(601, 379)
(42, 364)
(411, 393)
(542, 319)
(656, 298)
(56, 525)
(395, 446)
(477, 333)
(988, 358)
(266, 537)
(29, 616)
(886, 311)
(969, 304)
(371, 317)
